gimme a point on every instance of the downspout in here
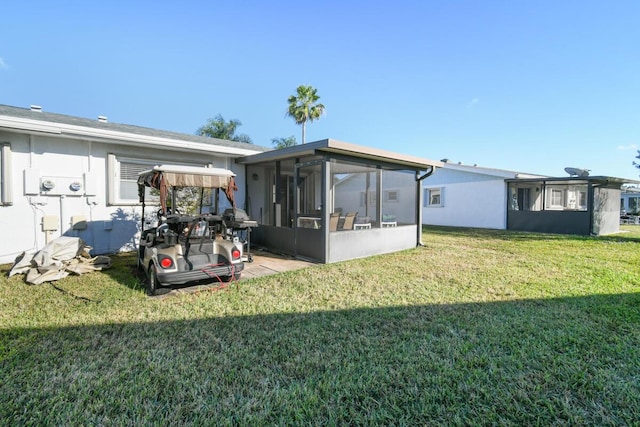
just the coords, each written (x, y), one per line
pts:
(419, 199)
(591, 205)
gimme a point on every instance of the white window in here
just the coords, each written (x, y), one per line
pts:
(6, 193)
(556, 199)
(583, 200)
(123, 179)
(123, 175)
(433, 197)
(391, 196)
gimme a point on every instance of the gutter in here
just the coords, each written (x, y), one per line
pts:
(419, 209)
(115, 137)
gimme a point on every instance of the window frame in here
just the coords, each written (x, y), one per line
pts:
(114, 162)
(582, 200)
(428, 197)
(552, 193)
(389, 199)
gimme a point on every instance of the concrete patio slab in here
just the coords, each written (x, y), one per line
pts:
(266, 263)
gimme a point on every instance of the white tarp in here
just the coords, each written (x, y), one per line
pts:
(57, 260)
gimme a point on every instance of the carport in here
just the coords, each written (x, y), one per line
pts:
(329, 201)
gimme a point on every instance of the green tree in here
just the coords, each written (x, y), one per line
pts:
(636, 164)
(303, 107)
(284, 142)
(218, 127)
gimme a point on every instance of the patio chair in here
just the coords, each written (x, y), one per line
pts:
(349, 220)
(334, 218)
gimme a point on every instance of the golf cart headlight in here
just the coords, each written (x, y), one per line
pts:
(166, 262)
(235, 253)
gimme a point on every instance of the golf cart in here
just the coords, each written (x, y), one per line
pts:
(190, 248)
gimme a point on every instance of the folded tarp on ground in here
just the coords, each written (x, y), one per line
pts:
(61, 257)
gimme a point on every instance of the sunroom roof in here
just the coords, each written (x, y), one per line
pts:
(331, 146)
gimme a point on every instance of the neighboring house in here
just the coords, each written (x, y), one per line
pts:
(584, 205)
(630, 200)
(64, 175)
(467, 196)
(471, 196)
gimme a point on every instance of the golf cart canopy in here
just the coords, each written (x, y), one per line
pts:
(164, 177)
(184, 176)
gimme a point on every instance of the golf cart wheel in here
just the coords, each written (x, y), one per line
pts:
(152, 281)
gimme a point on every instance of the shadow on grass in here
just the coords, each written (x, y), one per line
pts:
(568, 360)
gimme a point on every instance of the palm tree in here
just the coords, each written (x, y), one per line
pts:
(284, 142)
(218, 127)
(303, 107)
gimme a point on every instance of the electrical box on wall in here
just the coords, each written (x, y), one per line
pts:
(49, 223)
(79, 222)
(90, 184)
(31, 182)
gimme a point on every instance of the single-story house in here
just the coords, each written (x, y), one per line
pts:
(330, 201)
(585, 205)
(630, 200)
(65, 175)
(468, 196)
(325, 201)
(472, 196)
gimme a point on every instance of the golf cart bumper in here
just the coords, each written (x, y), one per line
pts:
(204, 273)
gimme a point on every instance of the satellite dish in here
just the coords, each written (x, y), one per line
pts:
(577, 172)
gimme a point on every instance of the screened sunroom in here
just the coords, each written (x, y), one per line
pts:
(330, 201)
(569, 205)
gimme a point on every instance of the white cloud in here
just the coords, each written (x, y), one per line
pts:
(3, 64)
(628, 147)
(473, 103)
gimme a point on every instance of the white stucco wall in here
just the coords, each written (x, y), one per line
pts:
(473, 204)
(110, 228)
(468, 200)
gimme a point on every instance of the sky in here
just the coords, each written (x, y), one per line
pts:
(529, 86)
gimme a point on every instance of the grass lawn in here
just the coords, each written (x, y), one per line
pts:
(477, 328)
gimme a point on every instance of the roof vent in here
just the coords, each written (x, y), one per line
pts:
(36, 108)
(102, 119)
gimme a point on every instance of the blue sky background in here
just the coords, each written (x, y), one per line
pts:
(531, 86)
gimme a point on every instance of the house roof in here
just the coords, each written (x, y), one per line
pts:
(601, 180)
(502, 173)
(343, 148)
(35, 121)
